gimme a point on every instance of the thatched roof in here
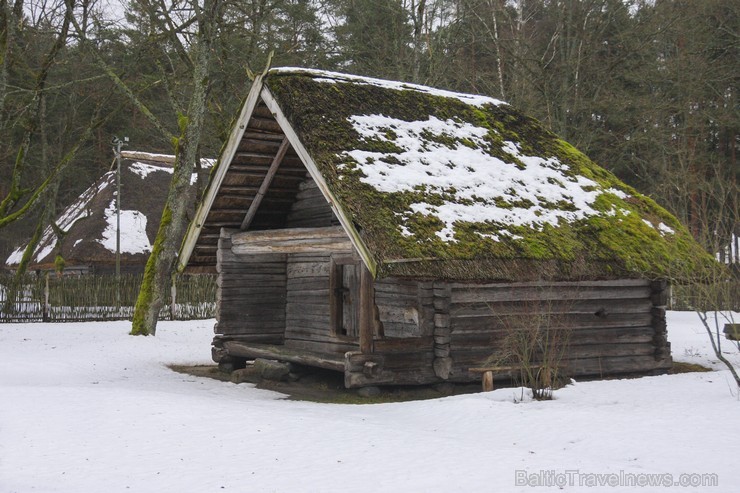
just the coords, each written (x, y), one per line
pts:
(439, 184)
(88, 225)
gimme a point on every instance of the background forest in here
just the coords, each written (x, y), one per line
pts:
(648, 89)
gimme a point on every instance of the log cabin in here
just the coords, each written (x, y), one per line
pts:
(397, 233)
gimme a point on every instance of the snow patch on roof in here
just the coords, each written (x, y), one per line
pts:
(143, 170)
(665, 229)
(15, 257)
(450, 159)
(133, 231)
(334, 77)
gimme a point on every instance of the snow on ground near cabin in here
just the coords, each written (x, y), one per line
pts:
(534, 187)
(84, 408)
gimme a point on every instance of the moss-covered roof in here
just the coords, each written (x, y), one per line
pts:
(439, 183)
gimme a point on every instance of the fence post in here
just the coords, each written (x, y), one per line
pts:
(173, 297)
(45, 314)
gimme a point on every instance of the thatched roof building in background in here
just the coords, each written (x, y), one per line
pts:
(88, 225)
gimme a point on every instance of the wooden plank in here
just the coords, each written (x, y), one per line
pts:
(334, 348)
(308, 283)
(560, 284)
(576, 321)
(306, 269)
(367, 310)
(268, 124)
(308, 297)
(552, 292)
(282, 353)
(492, 338)
(615, 365)
(555, 308)
(265, 184)
(271, 331)
(296, 317)
(400, 329)
(245, 277)
(309, 257)
(349, 276)
(336, 309)
(241, 190)
(262, 111)
(252, 134)
(314, 334)
(259, 145)
(291, 240)
(255, 179)
(293, 310)
(249, 338)
(290, 161)
(403, 345)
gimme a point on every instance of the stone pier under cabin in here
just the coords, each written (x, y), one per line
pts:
(399, 233)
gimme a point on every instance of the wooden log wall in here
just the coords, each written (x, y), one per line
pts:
(251, 296)
(405, 307)
(614, 326)
(308, 310)
(403, 349)
(310, 209)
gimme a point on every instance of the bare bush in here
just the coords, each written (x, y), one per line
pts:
(536, 341)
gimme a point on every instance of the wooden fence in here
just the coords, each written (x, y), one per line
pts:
(51, 298)
(706, 297)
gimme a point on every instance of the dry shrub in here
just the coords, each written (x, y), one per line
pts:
(536, 341)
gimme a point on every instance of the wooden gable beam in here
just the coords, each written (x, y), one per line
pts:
(254, 206)
(227, 155)
(330, 239)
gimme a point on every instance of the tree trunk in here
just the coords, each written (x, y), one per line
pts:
(159, 267)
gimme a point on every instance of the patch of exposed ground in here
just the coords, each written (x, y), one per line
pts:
(317, 385)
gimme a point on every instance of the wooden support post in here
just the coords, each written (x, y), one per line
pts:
(265, 184)
(173, 296)
(487, 381)
(367, 310)
(487, 373)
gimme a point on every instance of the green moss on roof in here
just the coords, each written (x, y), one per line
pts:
(617, 240)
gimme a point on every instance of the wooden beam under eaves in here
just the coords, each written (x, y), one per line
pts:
(330, 239)
(252, 211)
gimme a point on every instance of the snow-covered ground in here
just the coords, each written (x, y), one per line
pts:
(86, 408)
